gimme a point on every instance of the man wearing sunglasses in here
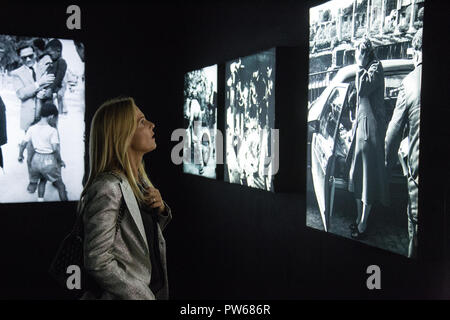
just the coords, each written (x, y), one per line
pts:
(30, 85)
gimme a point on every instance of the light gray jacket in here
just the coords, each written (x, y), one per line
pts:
(119, 260)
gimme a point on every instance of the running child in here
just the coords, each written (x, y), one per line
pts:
(46, 162)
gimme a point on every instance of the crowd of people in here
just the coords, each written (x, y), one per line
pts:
(250, 115)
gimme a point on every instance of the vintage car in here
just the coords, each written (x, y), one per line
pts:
(329, 132)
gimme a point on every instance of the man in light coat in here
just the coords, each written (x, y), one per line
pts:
(29, 86)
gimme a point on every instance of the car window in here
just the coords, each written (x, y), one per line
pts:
(331, 111)
(391, 84)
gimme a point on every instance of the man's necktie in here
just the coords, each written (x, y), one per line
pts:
(34, 73)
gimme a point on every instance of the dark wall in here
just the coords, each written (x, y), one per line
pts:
(227, 241)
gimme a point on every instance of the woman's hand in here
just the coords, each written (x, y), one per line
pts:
(154, 199)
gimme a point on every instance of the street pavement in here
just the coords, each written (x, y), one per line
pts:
(387, 226)
(71, 126)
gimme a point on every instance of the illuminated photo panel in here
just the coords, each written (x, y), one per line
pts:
(250, 118)
(365, 68)
(42, 106)
(200, 116)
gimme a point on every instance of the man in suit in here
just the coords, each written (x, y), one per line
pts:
(29, 85)
(407, 114)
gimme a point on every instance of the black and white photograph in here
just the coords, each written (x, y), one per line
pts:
(42, 108)
(365, 71)
(200, 116)
(250, 116)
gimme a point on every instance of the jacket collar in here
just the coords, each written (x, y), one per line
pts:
(370, 62)
(132, 205)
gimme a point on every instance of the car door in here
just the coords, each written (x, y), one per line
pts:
(323, 145)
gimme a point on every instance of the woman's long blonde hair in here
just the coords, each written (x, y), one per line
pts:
(112, 129)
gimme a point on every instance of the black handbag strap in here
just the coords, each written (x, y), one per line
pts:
(77, 227)
(121, 214)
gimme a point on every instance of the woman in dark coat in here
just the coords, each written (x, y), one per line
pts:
(367, 175)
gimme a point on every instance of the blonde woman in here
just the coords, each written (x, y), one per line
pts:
(123, 214)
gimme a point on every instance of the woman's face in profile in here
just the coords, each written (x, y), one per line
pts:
(143, 140)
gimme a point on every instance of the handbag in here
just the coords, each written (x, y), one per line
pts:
(70, 252)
